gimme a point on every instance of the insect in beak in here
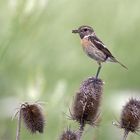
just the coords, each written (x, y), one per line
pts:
(75, 31)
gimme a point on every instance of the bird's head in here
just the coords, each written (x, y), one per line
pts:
(83, 31)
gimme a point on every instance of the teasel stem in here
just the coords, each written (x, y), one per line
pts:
(81, 129)
(125, 134)
(18, 126)
(82, 125)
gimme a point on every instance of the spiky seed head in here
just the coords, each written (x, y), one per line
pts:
(69, 135)
(130, 116)
(87, 101)
(33, 117)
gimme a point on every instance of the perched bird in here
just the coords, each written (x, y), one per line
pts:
(94, 47)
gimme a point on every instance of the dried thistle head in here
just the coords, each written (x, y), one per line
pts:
(130, 117)
(69, 135)
(33, 117)
(87, 101)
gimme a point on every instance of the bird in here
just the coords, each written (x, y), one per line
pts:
(94, 47)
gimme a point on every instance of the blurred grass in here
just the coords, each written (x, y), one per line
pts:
(40, 59)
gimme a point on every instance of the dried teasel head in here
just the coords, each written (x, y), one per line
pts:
(130, 117)
(69, 135)
(87, 101)
(33, 117)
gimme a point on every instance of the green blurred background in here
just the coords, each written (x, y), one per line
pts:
(40, 59)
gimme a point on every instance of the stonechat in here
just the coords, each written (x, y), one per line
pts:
(94, 47)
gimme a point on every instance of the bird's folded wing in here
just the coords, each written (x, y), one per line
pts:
(99, 44)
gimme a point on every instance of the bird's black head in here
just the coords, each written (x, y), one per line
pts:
(83, 31)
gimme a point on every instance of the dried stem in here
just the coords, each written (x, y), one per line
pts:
(81, 130)
(18, 126)
(125, 134)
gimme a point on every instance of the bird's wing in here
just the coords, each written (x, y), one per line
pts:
(100, 45)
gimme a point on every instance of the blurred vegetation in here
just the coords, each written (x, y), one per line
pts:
(40, 59)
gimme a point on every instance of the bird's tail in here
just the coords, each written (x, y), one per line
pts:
(113, 59)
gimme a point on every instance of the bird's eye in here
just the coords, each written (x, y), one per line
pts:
(85, 29)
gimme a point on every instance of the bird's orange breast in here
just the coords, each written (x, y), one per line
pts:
(85, 42)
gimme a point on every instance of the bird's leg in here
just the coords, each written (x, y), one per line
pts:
(98, 71)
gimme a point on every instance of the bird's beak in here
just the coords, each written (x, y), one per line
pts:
(75, 31)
